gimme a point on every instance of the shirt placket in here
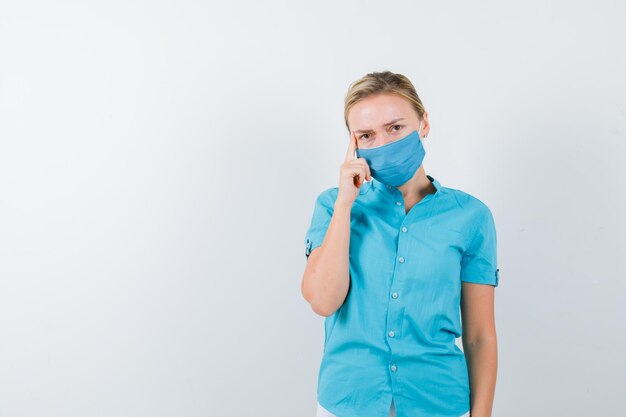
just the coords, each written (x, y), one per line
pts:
(396, 308)
(403, 260)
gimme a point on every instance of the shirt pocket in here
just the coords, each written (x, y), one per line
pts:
(443, 250)
(444, 240)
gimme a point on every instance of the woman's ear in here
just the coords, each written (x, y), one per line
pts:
(425, 126)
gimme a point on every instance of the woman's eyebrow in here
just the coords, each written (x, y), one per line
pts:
(386, 124)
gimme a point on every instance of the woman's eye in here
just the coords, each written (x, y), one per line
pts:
(363, 136)
(398, 126)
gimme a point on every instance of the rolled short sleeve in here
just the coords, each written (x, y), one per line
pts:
(322, 213)
(479, 262)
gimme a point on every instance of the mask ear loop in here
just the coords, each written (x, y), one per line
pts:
(421, 129)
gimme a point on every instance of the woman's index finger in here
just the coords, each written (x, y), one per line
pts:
(351, 148)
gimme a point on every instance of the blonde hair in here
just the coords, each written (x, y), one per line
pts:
(382, 82)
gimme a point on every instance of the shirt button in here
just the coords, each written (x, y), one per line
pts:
(404, 229)
(394, 295)
(398, 203)
(401, 259)
(393, 368)
(391, 333)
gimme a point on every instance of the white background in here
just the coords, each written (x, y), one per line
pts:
(159, 163)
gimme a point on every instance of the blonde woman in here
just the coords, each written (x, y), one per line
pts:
(400, 266)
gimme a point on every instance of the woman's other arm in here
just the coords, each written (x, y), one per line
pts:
(480, 345)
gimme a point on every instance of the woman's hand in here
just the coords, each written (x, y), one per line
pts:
(352, 173)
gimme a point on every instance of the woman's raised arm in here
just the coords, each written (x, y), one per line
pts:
(326, 278)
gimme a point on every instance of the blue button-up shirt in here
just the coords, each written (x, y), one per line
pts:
(394, 335)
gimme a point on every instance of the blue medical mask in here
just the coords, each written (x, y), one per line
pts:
(395, 163)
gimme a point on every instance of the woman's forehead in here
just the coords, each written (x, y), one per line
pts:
(377, 111)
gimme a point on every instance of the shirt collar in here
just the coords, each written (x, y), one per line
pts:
(379, 186)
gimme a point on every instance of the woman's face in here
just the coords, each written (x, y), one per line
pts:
(383, 118)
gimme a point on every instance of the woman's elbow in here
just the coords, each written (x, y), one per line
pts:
(320, 307)
(323, 310)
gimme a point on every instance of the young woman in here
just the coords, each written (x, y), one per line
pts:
(394, 260)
